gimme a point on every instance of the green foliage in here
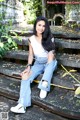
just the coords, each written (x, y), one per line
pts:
(6, 40)
(1, 0)
(32, 8)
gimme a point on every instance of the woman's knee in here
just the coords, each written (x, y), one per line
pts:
(26, 75)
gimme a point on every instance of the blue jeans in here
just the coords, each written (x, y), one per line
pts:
(40, 66)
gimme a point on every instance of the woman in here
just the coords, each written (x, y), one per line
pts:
(42, 49)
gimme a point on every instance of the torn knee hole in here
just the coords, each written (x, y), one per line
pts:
(44, 83)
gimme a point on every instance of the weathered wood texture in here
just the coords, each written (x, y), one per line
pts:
(32, 113)
(60, 42)
(17, 54)
(67, 43)
(20, 32)
(59, 101)
(21, 40)
(71, 60)
(57, 31)
(13, 70)
(65, 32)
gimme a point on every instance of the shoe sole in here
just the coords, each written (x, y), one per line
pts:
(16, 111)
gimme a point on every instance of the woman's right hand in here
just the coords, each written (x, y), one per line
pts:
(27, 70)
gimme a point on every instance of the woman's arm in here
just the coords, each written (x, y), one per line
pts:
(30, 60)
(31, 54)
(51, 56)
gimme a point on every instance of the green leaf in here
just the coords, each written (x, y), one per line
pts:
(1, 44)
(9, 40)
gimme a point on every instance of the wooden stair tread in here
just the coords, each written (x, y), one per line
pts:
(57, 100)
(67, 43)
(65, 32)
(71, 60)
(20, 32)
(32, 113)
(60, 42)
(9, 68)
(21, 40)
(57, 31)
(17, 54)
(13, 70)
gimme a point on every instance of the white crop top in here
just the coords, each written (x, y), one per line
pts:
(38, 49)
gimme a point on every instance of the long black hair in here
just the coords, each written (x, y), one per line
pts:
(47, 42)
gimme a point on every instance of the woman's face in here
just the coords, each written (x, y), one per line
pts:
(40, 27)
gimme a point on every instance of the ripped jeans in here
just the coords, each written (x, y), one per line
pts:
(40, 66)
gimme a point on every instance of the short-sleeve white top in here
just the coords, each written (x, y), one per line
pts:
(38, 49)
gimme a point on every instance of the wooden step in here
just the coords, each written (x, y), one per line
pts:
(67, 43)
(65, 32)
(60, 42)
(9, 68)
(13, 70)
(21, 40)
(32, 113)
(71, 60)
(20, 32)
(17, 54)
(58, 101)
(57, 31)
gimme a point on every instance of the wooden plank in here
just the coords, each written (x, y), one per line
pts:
(32, 113)
(59, 101)
(17, 54)
(64, 43)
(67, 43)
(57, 31)
(21, 40)
(71, 60)
(13, 70)
(9, 68)
(21, 32)
(65, 32)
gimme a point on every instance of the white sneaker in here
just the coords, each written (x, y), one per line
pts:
(43, 93)
(18, 109)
